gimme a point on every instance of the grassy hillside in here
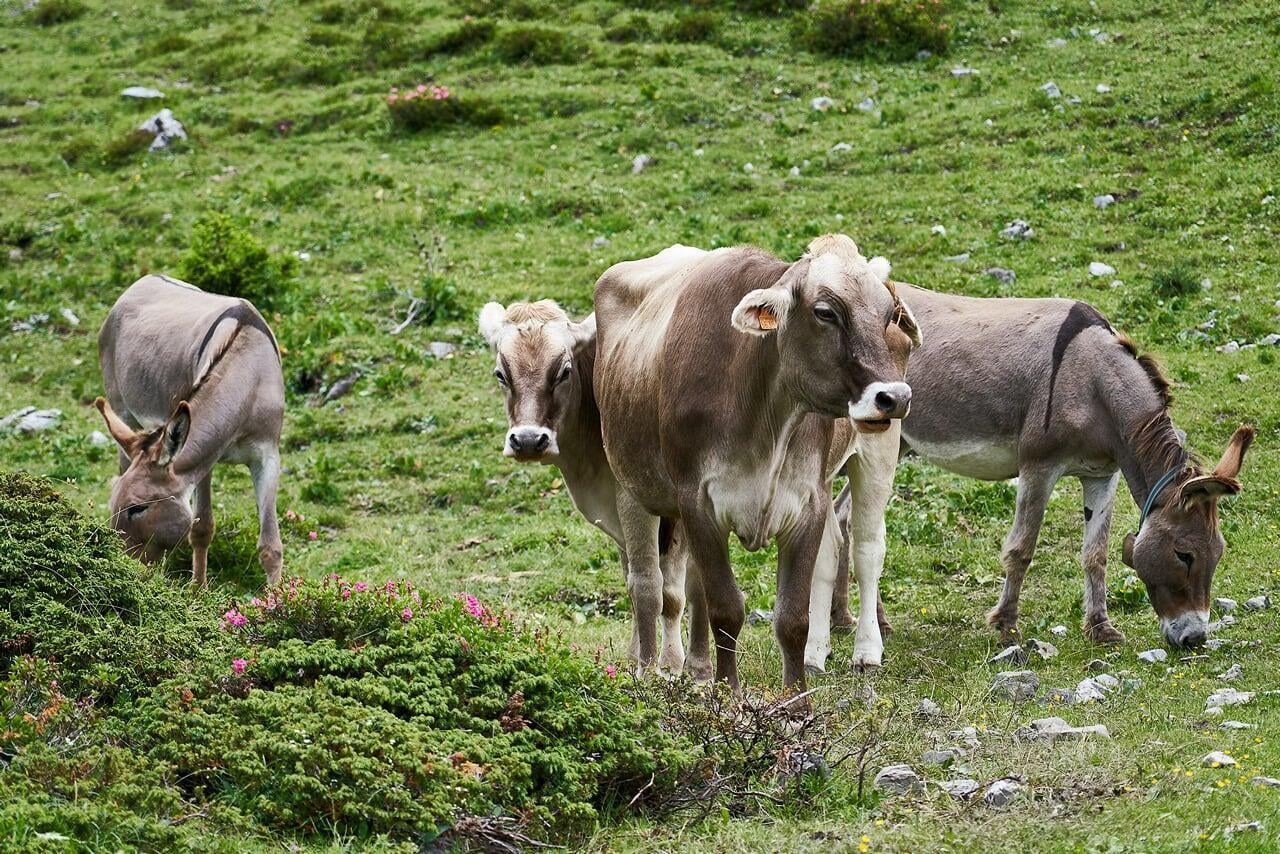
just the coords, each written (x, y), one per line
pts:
(1171, 108)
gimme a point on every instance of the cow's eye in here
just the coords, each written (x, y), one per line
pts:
(136, 510)
(1185, 557)
(824, 313)
(502, 378)
(564, 374)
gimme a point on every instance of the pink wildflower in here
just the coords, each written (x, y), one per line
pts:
(472, 605)
(238, 666)
(312, 535)
(256, 602)
(611, 671)
(290, 515)
(422, 87)
(234, 618)
(406, 615)
(389, 587)
(346, 593)
(361, 587)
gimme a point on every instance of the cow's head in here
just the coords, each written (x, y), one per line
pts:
(842, 333)
(149, 502)
(539, 352)
(1178, 545)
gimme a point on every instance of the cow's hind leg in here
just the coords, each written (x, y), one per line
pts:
(1035, 486)
(644, 576)
(842, 619)
(709, 551)
(202, 528)
(671, 658)
(798, 561)
(265, 472)
(1099, 501)
(698, 663)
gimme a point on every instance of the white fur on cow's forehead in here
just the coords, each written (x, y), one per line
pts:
(832, 269)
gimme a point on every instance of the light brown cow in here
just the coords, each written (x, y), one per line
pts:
(191, 379)
(720, 377)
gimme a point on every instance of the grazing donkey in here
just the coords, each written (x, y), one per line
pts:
(721, 376)
(546, 366)
(192, 379)
(1045, 388)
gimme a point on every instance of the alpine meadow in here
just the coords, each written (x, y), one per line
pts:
(448, 662)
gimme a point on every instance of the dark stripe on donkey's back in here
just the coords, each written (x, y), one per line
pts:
(244, 314)
(1082, 316)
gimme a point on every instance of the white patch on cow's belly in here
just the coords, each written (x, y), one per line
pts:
(971, 457)
(743, 505)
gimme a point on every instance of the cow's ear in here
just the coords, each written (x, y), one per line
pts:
(762, 311)
(124, 435)
(175, 436)
(584, 333)
(491, 321)
(906, 321)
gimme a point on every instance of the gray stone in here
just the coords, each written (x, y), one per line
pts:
(1102, 88)
(1228, 697)
(941, 757)
(1224, 605)
(599, 242)
(166, 129)
(1059, 696)
(959, 788)
(1051, 90)
(1106, 681)
(1220, 624)
(99, 439)
(1010, 656)
(1015, 685)
(928, 709)
(841, 146)
(1104, 201)
(640, 163)
(968, 735)
(1232, 674)
(923, 54)
(963, 71)
(1257, 603)
(1098, 666)
(802, 764)
(442, 349)
(1052, 729)
(1269, 782)
(867, 104)
(1002, 274)
(898, 779)
(939, 229)
(957, 259)
(30, 420)
(70, 317)
(1243, 827)
(759, 615)
(1153, 656)
(1058, 631)
(1041, 648)
(1229, 347)
(1099, 268)
(1018, 229)
(1243, 378)
(1218, 759)
(1089, 691)
(1236, 725)
(1270, 340)
(822, 103)
(141, 92)
(1002, 792)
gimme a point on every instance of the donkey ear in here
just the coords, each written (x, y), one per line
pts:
(1233, 456)
(175, 435)
(126, 437)
(491, 322)
(762, 311)
(906, 321)
(1126, 551)
(1206, 489)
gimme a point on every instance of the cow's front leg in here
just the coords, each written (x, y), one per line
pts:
(825, 572)
(644, 575)
(672, 563)
(709, 551)
(698, 663)
(202, 527)
(842, 619)
(870, 474)
(265, 472)
(798, 550)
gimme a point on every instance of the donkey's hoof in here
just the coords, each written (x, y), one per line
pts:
(1105, 633)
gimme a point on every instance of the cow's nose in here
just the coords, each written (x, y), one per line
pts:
(894, 402)
(529, 440)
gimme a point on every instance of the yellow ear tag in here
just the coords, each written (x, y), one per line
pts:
(766, 318)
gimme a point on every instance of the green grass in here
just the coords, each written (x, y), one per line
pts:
(285, 106)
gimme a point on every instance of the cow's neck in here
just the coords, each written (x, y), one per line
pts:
(1146, 446)
(583, 462)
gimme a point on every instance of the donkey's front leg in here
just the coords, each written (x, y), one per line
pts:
(1099, 500)
(265, 471)
(1035, 486)
(201, 533)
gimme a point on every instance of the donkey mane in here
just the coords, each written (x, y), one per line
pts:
(1152, 368)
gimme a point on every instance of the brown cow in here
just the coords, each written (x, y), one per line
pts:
(720, 377)
(192, 379)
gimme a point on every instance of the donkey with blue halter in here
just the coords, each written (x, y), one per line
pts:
(993, 400)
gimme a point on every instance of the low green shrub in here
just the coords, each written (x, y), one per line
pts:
(467, 36)
(226, 258)
(125, 148)
(698, 26)
(537, 45)
(425, 107)
(49, 12)
(633, 28)
(1175, 282)
(896, 29)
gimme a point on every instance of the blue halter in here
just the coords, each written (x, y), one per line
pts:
(1163, 482)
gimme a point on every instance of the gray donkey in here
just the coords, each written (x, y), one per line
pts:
(1045, 388)
(192, 379)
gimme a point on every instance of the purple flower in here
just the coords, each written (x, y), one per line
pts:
(238, 666)
(406, 615)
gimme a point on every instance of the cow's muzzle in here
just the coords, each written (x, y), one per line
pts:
(880, 404)
(531, 444)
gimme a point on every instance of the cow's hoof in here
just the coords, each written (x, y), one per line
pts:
(1105, 633)
(864, 661)
(843, 623)
(699, 671)
(814, 670)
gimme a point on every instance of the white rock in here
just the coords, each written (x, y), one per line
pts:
(963, 71)
(1153, 656)
(1243, 378)
(141, 92)
(1089, 691)
(940, 230)
(1106, 681)
(1228, 697)
(1214, 712)
(795, 172)
(867, 104)
(1051, 89)
(599, 242)
(1058, 42)
(748, 167)
(166, 129)
(1058, 631)
(1224, 605)
(959, 788)
(1015, 684)
(1102, 88)
(1236, 725)
(1045, 650)
(1243, 827)
(1013, 655)
(70, 317)
(698, 152)
(1257, 603)
(1104, 201)
(841, 146)
(968, 735)
(1232, 674)
(957, 259)
(302, 255)
(1269, 782)
(1217, 759)
(1220, 624)
(30, 420)
(928, 709)
(1052, 729)
(898, 779)
(822, 103)
(442, 349)
(1019, 229)
(99, 439)
(1098, 268)
(1270, 340)
(1002, 792)
(640, 163)
(1229, 347)
(1206, 284)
